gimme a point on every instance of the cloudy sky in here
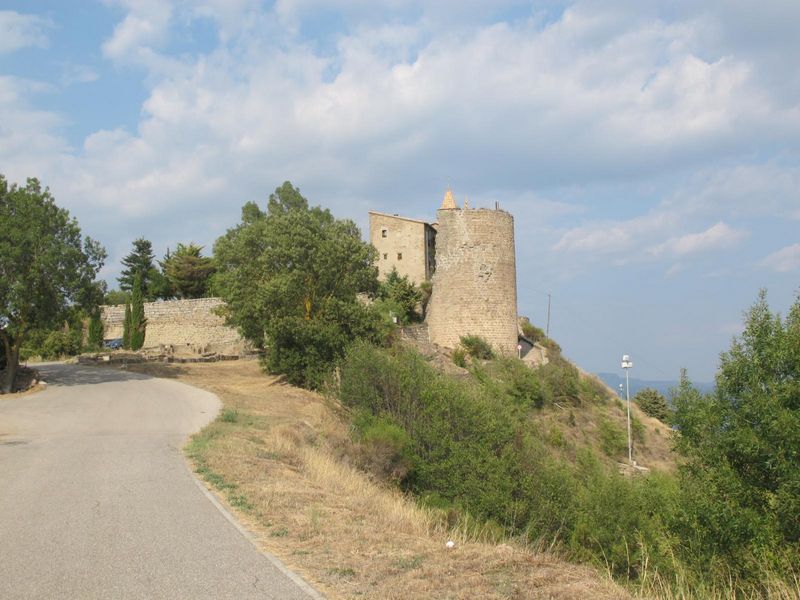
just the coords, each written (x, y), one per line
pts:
(649, 151)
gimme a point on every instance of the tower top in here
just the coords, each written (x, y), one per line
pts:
(449, 200)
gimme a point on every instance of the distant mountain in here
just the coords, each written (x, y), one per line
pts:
(613, 380)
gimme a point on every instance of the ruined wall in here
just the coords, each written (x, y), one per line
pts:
(176, 322)
(404, 244)
(475, 283)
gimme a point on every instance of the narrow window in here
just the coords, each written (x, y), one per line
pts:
(399, 256)
(385, 256)
(384, 231)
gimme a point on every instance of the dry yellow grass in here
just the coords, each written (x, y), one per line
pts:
(273, 457)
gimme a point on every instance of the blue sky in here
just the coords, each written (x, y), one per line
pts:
(650, 152)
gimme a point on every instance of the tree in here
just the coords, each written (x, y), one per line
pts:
(140, 262)
(652, 403)
(402, 296)
(290, 277)
(138, 324)
(742, 445)
(126, 327)
(46, 267)
(95, 333)
(188, 272)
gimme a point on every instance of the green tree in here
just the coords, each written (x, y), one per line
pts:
(188, 272)
(116, 297)
(46, 267)
(138, 324)
(652, 403)
(742, 447)
(401, 296)
(95, 333)
(140, 262)
(126, 327)
(291, 270)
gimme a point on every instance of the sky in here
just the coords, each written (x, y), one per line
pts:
(649, 151)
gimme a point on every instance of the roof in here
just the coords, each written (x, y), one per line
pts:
(374, 212)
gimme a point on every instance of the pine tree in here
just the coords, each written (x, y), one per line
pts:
(140, 262)
(126, 327)
(138, 322)
(95, 340)
(188, 271)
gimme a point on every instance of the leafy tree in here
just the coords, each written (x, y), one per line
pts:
(188, 272)
(126, 327)
(46, 267)
(140, 262)
(290, 277)
(115, 297)
(652, 403)
(95, 333)
(138, 322)
(402, 296)
(742, 445)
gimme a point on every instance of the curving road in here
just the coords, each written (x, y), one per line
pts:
(96, 500)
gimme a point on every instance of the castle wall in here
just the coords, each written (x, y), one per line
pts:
(475, 283)
(404, 244)
(176, 322)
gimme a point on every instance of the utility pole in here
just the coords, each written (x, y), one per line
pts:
(547, 331)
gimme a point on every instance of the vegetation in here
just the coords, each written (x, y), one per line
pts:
(138, 322)
(290, 277)
(47, 268)
(653, 404)
(477, 347)
(126, 327)
(95, 332)
(140, 262)
(116, 297)
(188, 271)
(399, 298)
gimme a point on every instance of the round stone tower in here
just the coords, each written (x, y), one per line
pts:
(475, 282)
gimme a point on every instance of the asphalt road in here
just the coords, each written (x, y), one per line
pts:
(97, 501)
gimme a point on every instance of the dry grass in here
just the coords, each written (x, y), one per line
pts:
(273, 457)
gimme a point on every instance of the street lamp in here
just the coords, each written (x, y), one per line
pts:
(627, 363)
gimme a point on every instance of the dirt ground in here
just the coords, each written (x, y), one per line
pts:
(271, 456)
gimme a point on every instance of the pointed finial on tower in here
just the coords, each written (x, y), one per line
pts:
(449, 201)
(466, 203)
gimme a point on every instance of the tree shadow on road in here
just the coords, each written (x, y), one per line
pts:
(70, 375)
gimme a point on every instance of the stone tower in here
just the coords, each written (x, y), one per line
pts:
(475, 282)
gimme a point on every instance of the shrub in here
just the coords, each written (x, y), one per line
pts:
(60, 343)
(459, 357)
(95, 333)
(477, 347)
(530, 331)
(561, 380)
(613, 440)
(384, 447)
(519, 382)
(653, 404)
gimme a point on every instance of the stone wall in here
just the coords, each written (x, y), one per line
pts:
(177, 323)
(475, 283)
(404, 244)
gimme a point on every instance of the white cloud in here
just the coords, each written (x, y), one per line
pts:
(144, 28)
(784, 260)
(22, 31)
(716, 237)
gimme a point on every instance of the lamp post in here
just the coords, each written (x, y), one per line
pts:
(627, 363)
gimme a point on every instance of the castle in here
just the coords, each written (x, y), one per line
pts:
(469, 257)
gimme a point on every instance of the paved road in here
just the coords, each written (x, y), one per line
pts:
(96, 500)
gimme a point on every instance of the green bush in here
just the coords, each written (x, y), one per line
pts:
(384, 447)
(561, 380)
(459, 357)
(653, 404)
(613, 440)
(477, 347)
(519, 382)
(530, 331)
(58, 344)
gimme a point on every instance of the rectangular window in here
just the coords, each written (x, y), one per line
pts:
(399, 256)
(385, 256)
(384, 231)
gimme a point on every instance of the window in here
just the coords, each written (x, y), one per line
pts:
(384, 231)
(399, 256)
(385, 256)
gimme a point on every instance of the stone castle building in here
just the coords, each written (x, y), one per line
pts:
(469, 257)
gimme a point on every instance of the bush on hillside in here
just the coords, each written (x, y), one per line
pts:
(653, 404)
(477, 347)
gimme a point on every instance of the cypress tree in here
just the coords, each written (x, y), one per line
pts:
(138, 322)
(126, 327)
(95, 340)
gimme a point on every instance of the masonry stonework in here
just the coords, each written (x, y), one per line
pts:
(475, 282)
(403, 244)
(176, 322)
